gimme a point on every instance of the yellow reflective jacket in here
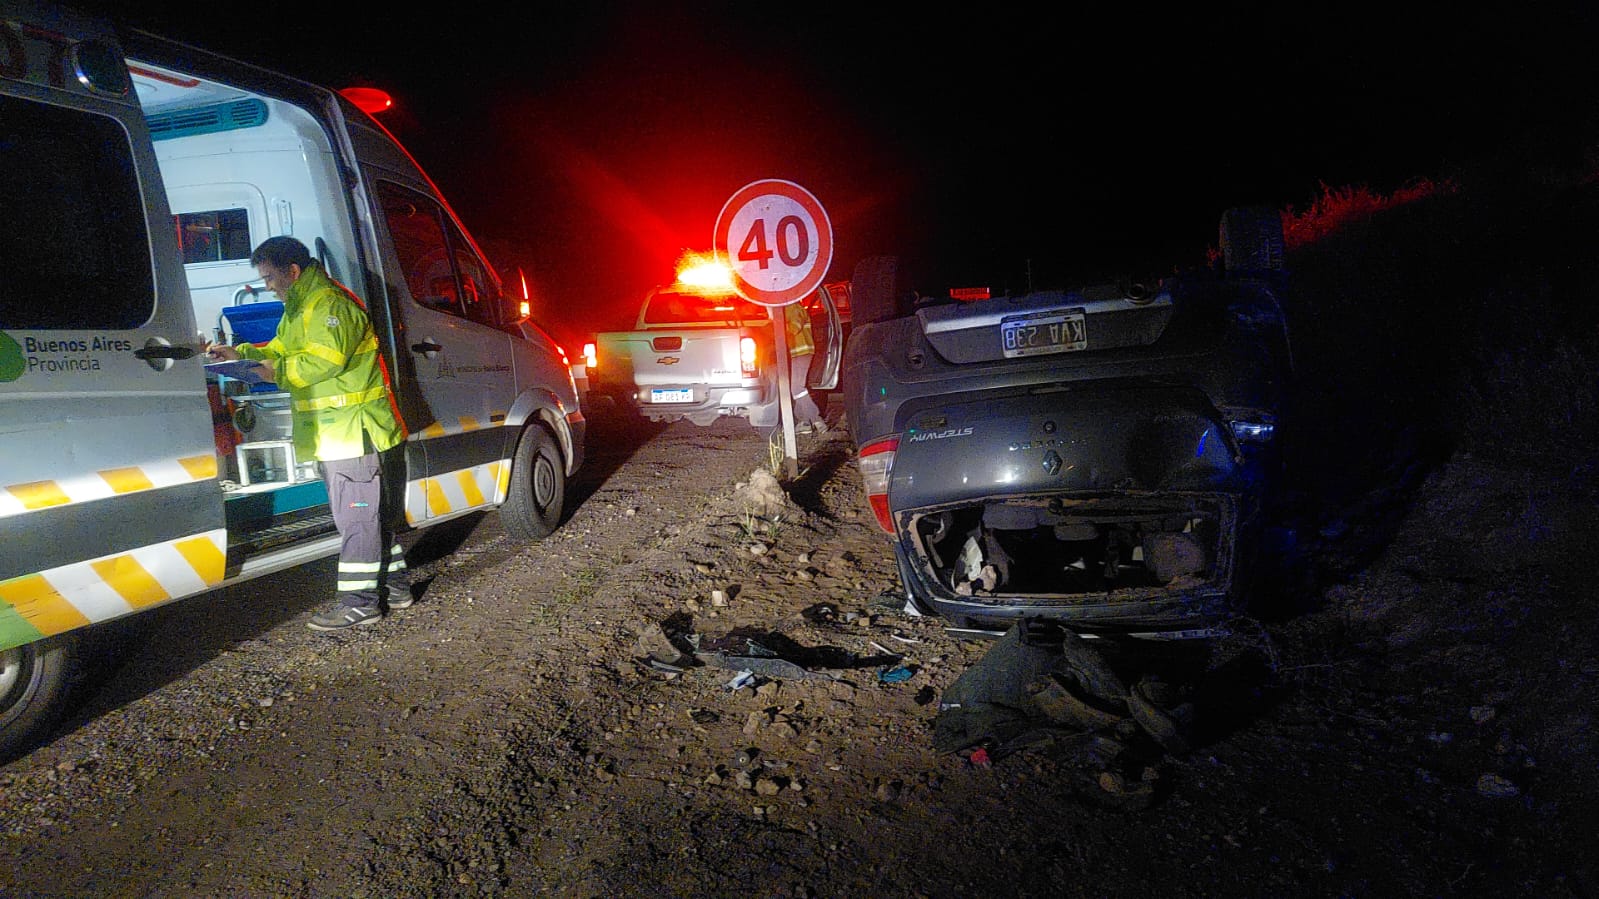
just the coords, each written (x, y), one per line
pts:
(797, 328)
(326, 356)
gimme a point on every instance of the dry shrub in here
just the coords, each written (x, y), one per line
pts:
(1474, 301)
(1338, 207)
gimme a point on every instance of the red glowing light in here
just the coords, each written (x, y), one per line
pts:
(369, 100)
(704, 272)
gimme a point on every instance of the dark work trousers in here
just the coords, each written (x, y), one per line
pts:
(371, 563)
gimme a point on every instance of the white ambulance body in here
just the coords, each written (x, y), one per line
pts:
(136, 176)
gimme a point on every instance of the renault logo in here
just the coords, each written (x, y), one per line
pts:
(1052, 462)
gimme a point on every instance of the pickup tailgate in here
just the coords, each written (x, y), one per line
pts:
(688, 356)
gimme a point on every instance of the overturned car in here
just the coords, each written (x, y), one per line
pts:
(1100, 457)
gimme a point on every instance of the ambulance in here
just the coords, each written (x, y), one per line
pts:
(136, 176)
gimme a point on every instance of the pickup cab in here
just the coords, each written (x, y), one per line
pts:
(700, 355)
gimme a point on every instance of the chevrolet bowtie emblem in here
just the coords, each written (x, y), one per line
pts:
(667, 360)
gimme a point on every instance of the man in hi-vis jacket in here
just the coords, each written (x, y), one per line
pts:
(325, 354)
(801, 349)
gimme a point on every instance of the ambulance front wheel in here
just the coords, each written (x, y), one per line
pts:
(35, 680)
(537, 493)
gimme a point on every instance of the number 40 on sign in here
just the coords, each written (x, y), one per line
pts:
(777, 239)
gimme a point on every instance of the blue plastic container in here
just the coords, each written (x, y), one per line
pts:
(253, 322)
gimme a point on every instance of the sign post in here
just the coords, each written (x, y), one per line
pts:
(777, 241)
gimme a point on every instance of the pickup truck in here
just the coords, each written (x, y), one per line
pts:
(700, 354)
(1100, 457)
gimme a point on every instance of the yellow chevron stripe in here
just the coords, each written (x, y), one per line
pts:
(457, 491)
(126, 480)
(37, 601)
(203, 556)
(80, 593)
(89, 486)
(200, 468)
(132, 582)
(438, 503)
(469, 489)
(39, 494)
(463, 424)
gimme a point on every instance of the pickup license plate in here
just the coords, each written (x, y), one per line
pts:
(672, 395)
(1059, 333)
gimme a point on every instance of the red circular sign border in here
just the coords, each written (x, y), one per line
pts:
(824, 251)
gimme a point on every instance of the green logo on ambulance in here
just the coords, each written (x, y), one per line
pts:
(11, 363)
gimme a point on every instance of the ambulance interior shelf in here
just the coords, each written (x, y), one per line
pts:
(251, 419)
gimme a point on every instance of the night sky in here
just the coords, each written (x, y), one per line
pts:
(593, 143)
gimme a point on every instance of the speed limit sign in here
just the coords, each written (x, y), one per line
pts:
(776, 238)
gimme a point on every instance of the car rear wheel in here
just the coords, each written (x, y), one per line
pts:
(875, 290)
(537, 491)
(34, 682)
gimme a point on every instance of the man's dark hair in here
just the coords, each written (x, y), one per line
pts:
(282, 251)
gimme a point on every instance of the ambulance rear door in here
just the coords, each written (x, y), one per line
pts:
(109, 499)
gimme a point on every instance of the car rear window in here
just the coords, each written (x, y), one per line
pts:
(687, 308)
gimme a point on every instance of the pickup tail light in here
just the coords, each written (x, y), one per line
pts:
(591, 355)
(746, 356)
(876, 462)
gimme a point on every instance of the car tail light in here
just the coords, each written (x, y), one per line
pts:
(876, 461)
(746, 356)
(1250, 425)
(591, 355)
(1254, 431)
